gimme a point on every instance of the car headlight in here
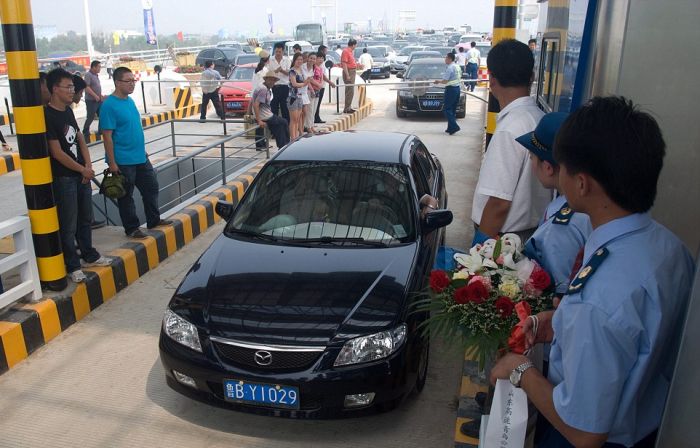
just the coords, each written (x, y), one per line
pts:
(179, 330)
(372, 347)
(405, 93)
(387, 64)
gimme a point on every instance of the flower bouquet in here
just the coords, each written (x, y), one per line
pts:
(481, 304)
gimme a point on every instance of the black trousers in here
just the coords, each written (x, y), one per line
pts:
(214, 97)
(279, 101)
(317, 117)
(279, 128)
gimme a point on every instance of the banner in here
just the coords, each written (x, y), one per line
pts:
(180, 36)
(149, 27)
(115, 38)
(269, 20)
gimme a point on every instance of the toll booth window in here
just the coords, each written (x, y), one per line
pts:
(548, 75)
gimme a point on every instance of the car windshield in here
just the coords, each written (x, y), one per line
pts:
(432, 54)
(247, 59)
(406, 51)
(242, 73)
(374, 52)
(328, 202)
(484, 51)
(419, 72)
(230, 53)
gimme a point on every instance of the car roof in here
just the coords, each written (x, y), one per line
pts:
(381, 147)
(418, 53)
(426, 61)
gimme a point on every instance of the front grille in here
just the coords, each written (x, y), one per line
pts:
(281, 360)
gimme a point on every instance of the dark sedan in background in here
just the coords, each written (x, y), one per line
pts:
(301, 307)
(222, 57)
(381, 68)
(415, 95)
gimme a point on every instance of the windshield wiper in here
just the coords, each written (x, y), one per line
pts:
(250, 234)
(332, 240)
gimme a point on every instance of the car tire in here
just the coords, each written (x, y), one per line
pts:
(463, 113)
(423, 363)
(399, 114)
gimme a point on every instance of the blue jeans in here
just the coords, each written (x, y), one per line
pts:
(450, 108)
(74, 204)
(144, 178)
(472, 73)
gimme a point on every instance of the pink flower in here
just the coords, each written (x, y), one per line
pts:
(483, 280)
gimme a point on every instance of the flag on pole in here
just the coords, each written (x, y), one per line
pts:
(115, 38)
(269, 20)
(180, 36)
(149, 27)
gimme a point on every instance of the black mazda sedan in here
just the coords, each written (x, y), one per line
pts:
(301, 307)
(417, 95)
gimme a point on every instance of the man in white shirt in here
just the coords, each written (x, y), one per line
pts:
(508, 196)
(366, 61)
(279, 64)
(462, 59)
(473, 62)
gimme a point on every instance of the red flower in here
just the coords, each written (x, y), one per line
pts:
(504, 306)
(474, 292)
(439, 280)
(540, 279)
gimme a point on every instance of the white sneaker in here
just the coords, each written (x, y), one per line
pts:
(78, 276)
(102, 261)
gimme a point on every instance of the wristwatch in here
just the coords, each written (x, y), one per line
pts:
(517, 373)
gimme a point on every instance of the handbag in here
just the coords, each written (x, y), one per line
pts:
(113, 185)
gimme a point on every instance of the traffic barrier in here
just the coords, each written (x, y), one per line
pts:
(9, 162)
(22, 256)
(25, 328)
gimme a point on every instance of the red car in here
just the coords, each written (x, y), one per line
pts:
(238, 90)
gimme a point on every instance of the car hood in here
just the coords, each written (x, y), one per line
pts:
(421, 88)
(402, 59)
(235, 87)
(291, 295)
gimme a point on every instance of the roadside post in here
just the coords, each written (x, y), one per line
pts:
(23, 74)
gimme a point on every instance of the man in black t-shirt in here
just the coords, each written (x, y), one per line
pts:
(72, 172)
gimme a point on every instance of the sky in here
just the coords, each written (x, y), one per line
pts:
(249, 17)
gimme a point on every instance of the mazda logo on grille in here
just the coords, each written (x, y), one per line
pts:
(263, 358)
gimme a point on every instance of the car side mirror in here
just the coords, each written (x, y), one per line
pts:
(399, 75)
(328, 64)
(224, 209)
(436, 219)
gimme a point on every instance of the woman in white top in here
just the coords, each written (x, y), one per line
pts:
(295, 100)
(313, 88)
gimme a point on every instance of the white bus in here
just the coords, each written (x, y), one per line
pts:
(311, 32)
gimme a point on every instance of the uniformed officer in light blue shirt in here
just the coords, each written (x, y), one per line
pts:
(615, 334)
(562, 232)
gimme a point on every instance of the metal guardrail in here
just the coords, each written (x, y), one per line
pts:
(195, 178)
(24, 258)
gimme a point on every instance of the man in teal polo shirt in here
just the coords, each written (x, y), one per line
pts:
(452, 78)
(125, 151)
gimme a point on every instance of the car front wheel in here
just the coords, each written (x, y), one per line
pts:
(399, 113)
(423, 362)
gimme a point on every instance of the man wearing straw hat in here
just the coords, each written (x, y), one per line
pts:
(262, 110)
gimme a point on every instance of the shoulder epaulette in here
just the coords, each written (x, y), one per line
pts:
(563, 216)
(587, 271)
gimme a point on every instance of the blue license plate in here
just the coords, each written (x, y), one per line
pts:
(433, 104)
(262, 394)
(376, 70)
(234, 105)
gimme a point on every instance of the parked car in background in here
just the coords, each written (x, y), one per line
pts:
(246, 58)
(402, 57)
(237, 92)
(301, 308)
(423, 55)
(442, 50)
(66, 64)
(230, 44)
(222, 57)
(416, 96)
(381, 68)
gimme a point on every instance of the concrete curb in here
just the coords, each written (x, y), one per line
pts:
(468, 410)
(26, 327)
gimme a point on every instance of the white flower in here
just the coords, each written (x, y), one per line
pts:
(513, 242)
(509, 261)
(487, 249)
(472, 262)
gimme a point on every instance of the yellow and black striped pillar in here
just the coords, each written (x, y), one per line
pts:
(505, 18)
(23, 73)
